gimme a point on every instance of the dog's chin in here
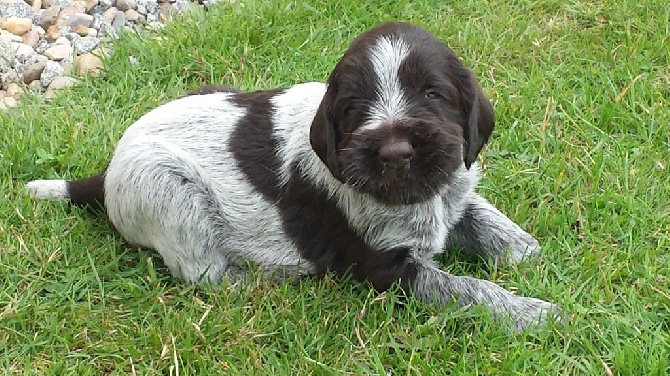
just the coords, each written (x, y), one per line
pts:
(395, 188)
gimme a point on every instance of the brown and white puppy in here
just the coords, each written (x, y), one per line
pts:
(372, 173)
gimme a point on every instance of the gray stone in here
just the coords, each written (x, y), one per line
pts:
(16, 8)
(33, 72)
(31, 38)
(85, 44)
(42, 46)
(58, 3)
(6, 49)
(23, 52)
(50, 72)
(12, 37)
(10, 76)
(81, 19)
(107, 3)
(49, 17)
(65, 40)
(125, 5)
(119, 20)
(106, 30)
(147, 7)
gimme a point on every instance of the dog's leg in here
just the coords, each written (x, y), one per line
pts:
(158, 197)
(434, 285)
(487, 232)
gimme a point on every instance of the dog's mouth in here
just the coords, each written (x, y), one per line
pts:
(399, 171)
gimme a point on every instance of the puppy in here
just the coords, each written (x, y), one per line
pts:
(372, 173)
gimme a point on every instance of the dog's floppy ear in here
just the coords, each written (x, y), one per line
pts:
(480, 118)
(323, 132)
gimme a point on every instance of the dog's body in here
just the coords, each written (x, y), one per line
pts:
(372, 173)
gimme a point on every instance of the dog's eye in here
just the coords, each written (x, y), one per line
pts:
(432, 94)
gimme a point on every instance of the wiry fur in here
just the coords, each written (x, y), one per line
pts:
(291, 180)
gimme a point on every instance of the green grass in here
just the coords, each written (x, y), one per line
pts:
(580, 157)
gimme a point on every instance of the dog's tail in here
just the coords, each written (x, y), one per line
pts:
(87, 193)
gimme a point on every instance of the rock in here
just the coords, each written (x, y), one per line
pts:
(106, 30)
(33, 72)
(102, 52)
(119, 20)
(7, 102)
(81, 30)
(15, 8)
(155, 25)
(14, 90)
(125, 5)
(59, 3)
(42, 45)
(86, 44)
(106, 3)
(71, 12)
(53, 33)
(10, 76)
(63, 41)
(23, 52)
(78, 5)
(59, 52)
(132, 15)
(50, 72)
(66, 65)
(90, 4)
(92, 32)
(57, 85)
(166, 12)
(88, 64)
(108, 15)
(12, 37)
(49, 17)
(146, 7)
(186, 6)
(31, 38)
(6, 50)
(37, 5)
(40, 58)
(35, 86)
(81, 19)
(18, 26)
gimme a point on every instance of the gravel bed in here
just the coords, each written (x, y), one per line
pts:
(46, 44)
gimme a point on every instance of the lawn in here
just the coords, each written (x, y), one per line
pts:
(580, 157)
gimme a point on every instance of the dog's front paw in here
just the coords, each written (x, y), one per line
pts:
(526, 247)
(528, 312)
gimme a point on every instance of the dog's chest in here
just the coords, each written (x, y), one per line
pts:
(423, 228)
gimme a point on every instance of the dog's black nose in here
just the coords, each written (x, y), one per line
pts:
(396, 154)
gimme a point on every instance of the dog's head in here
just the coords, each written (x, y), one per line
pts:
(400, 115)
